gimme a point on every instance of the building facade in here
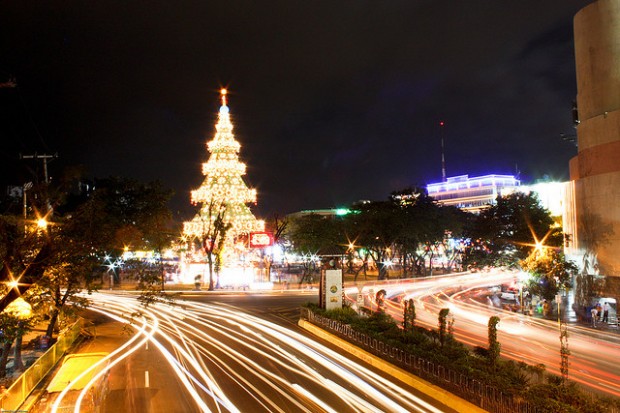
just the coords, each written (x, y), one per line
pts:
(595, 171)
(472, 194)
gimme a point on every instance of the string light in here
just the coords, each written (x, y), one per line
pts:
(223, 184)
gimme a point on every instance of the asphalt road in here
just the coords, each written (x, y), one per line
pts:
(236, 353)
(594, 354)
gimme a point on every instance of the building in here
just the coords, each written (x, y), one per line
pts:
(472, 194)
(595, 171)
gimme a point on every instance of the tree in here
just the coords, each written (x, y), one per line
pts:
(443, 325)
(409, 315)
(10, 330)
(594, 232)
(413, 226)
(506, 232)
(24, 257)
(278, 226)
(312, 235)
(374, 227)
(83, 226)
(550, 272)
(494, 345)
(423, 228)
(123, 214)
(32, 251)
(212, 236)
(19, 317)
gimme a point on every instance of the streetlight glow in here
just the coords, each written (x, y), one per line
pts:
(42, 223)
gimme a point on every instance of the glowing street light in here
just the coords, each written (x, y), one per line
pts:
(539, 248)
(42, 223)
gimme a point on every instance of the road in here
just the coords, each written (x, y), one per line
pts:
(593, 361)
(207, 354)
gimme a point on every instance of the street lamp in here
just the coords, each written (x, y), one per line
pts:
(42, 223)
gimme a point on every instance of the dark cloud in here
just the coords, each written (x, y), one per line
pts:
(332, 101)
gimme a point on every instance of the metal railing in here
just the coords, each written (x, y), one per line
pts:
(21, 388)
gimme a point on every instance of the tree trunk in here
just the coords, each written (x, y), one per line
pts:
(430, 261)
(383, 273)
(52, 324)
(6, 347)
(18, 363)
(210, 261)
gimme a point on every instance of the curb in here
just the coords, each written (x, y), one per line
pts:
(431, 390)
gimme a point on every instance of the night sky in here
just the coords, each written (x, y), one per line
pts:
(332, 101)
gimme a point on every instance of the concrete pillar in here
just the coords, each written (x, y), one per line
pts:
(596, 169)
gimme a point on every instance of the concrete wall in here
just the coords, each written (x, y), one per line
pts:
(596, 171)
(597, 53)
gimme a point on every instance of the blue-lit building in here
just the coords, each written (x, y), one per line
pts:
(472, 194)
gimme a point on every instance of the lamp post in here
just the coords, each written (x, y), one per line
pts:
(564, 351)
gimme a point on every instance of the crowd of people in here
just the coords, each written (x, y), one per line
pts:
(600, 313)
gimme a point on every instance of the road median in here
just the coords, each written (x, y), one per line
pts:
(435, 392)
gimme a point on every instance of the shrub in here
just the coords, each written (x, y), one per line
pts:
(507, 376)
(345, 315)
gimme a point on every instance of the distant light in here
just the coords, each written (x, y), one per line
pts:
(42, 223)
(342, 211)
(223, 109)
(540, 248)
(441, 123)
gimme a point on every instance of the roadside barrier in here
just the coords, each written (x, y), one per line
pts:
(486, 397)
(21, 388)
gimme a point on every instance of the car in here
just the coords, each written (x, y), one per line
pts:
(510, 295)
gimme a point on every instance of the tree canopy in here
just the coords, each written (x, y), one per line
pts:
(506, 233)
(83, 226)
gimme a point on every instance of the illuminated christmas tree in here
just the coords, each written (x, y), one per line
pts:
(223, 195)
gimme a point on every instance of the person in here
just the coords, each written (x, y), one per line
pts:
(606, 313)
(599, 311)
(594, 314)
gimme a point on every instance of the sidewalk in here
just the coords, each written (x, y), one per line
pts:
(31, 352)
(100, 335)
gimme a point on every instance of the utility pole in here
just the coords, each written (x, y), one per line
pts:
(25, 188)
(564, 351)
(43, 157)
(443, 158)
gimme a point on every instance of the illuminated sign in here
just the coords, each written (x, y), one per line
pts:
(261, 239)
(333, 292)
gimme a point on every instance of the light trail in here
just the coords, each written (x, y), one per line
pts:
(227, 359)
(594, 355)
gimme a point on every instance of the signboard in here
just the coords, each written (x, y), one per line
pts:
(333, 289)
(261, 239)
(360, 300)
